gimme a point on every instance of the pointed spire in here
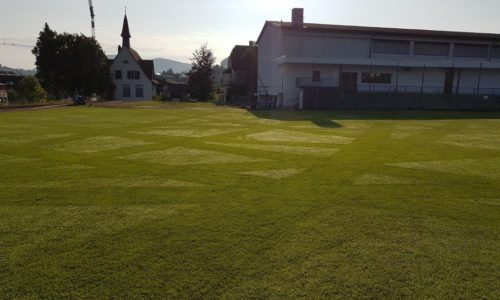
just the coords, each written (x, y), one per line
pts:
(125, 33)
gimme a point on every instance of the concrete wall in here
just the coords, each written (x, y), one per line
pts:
(269, 79)
(132, 65)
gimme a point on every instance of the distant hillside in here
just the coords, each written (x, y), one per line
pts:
(163, 64)
(17, 71)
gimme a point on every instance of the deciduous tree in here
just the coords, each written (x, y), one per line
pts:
(68, 62)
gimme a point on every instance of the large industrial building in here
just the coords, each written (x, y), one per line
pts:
(317, 66)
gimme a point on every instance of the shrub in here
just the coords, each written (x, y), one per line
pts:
(30, 90)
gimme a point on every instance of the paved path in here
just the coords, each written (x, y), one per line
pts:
(20, 108)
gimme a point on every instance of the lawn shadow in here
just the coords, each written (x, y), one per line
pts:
(327, 119)
(320, 119)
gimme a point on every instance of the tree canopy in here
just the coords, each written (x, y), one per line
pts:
(68, 62)
(200, 77)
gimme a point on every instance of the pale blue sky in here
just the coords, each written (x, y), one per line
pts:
(175, 28)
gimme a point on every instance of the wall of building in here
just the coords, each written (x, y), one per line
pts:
(269, 79)
(132, 65)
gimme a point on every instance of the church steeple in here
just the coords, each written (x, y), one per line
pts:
(125, 33)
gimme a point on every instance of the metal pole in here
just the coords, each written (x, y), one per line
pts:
(479, 78)
(423, 80)
(371, 74)
(458, 81)
(397, 77)
(340, 76)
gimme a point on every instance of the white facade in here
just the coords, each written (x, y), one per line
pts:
(131, 75)
(139, 89)
(293, 56)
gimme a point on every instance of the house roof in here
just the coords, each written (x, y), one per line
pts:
(241, 58)
(312, 27)
(148, 67)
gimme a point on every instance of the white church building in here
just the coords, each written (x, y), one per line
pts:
(313, 66)
(132, 76)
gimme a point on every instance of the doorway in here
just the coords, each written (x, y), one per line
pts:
(349, 82)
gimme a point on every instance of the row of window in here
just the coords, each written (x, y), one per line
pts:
(133, 75)
(381, 78)
(435, 49)
(139, 91)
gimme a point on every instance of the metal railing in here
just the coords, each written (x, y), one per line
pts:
(323, 82)
(391, 88)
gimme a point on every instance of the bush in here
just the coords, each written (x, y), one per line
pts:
(30, 90)
(14, 96)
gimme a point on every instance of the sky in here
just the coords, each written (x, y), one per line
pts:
(175, 28)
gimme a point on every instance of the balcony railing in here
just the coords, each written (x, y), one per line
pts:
(323, 82)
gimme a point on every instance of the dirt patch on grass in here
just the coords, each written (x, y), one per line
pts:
(274, 174)
(378, 179)
(471, 167)
(181, 156)
(299, 137)
(473, 140)
(20, 140)
(98, 144)
(296, 150)
(195, 133)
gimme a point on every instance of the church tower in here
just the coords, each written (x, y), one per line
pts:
(125, 34)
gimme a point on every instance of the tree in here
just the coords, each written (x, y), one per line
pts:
(29, 89)
(200, 77)
(68, 62)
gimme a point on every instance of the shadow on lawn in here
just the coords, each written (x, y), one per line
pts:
(326, 119)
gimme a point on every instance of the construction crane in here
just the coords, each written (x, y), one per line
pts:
(4, 43)
(92, 16)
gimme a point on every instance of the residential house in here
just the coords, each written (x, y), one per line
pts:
(315, 66)
(240, 78)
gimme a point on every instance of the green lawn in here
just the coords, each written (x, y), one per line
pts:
(209, 202)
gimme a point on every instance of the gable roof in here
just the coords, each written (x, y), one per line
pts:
(147, 65)
(322, 28)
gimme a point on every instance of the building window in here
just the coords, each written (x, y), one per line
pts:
(383, 78)
(240, 76)
(139, 91)
(471, 50)
(118, 74)
(431, 48)
(316, 76)
(126, 91)
(391, 47)
(134, 75)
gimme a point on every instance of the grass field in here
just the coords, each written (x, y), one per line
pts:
(223, 203)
